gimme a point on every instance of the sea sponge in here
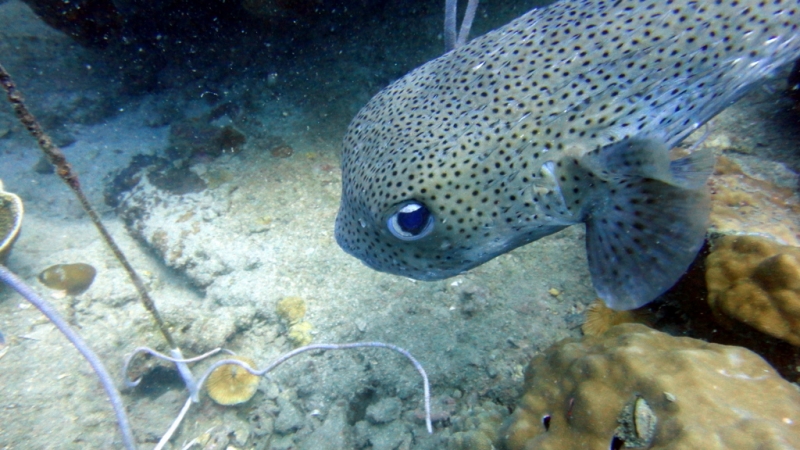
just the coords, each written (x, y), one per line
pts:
(634, 386)
(11, 212)
(599, 318)
(756, 281)
(230, 384)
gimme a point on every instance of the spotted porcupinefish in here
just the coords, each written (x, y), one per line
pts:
(565, 115)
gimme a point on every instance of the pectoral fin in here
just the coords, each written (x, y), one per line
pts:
(647, 225)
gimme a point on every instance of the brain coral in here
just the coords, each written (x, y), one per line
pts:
(756, 281)
(637, 387)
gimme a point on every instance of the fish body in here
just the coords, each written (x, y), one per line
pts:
(565, 115)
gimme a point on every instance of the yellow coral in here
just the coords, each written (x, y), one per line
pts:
(231, 384)
(72, 278)
(291, 309)
(637, 387)
(756, 281)
(300, 334)
(599, 318)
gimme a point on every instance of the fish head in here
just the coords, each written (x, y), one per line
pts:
(415, 236)
(416, 203)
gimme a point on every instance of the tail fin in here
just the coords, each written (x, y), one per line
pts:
(649, 221)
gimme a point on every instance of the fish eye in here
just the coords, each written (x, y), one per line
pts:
(411, 222)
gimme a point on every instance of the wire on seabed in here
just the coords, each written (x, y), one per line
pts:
(283, 358)
(24, 290)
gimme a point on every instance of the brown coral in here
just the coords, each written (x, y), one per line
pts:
(634, 386)
(755, 281)
(72, 278)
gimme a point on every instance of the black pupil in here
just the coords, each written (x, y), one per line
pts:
(413, 222)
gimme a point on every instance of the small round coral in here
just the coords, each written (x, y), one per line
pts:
(291, 309)
(231, 384)
(72, 278)
(300, 334)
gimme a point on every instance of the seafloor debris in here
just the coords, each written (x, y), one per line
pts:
(125, 179)
(11, 212)
(281, 151)
(72, 278)
(756, 281)
(198, 138)
(599, 318)
(231, 384)
(177, 181)
(673, 392)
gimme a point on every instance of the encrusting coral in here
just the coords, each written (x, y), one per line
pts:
(637, 387)
(756, 281)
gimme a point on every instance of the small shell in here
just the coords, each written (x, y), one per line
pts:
(644, 420)
(637, 424)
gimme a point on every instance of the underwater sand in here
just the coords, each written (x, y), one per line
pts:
(218, 261)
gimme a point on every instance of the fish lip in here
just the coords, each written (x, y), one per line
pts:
(418, 275)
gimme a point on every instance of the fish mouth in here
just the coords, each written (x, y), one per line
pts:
(397, 268)
(414, 274)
